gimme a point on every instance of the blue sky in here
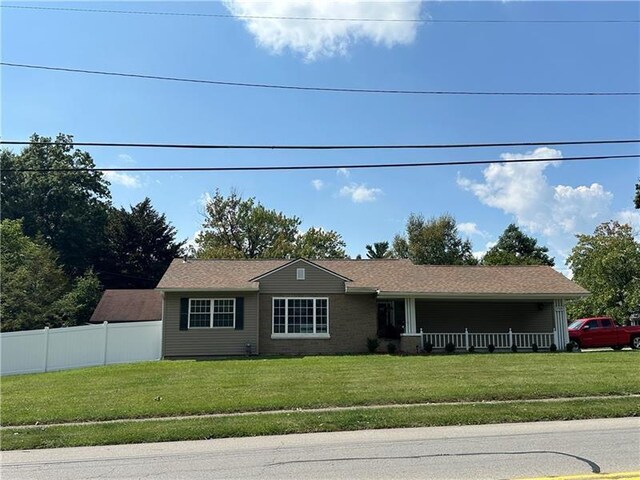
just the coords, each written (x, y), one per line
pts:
(551, 201)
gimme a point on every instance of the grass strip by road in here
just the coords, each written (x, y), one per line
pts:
(174, 388)
(306, 422)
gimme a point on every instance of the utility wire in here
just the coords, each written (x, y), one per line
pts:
(315, 19)
(315, 89)
(204, 146)
(322, 167)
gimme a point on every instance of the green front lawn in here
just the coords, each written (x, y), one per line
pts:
(305, 422)
(193, 387)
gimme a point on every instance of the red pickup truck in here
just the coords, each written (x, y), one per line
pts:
(603, 332)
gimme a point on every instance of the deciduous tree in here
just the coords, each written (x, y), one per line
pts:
(607, 264)
(434, 242)
(68, 209)
(243, 228)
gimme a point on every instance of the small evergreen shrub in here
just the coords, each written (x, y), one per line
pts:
(514, 348)
(372, 344)
(491, 347)
(428, 347)
(553, 347)
(450, 347)
(534, 347)
(471, 349)
(391, 348)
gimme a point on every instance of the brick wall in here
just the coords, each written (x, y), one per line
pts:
(352, 319)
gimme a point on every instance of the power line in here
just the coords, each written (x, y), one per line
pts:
(315, 89)
(315, 19)
(201, 146)
(322, 167)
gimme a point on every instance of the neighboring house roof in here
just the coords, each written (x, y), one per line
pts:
(386, 277)
(128, 306)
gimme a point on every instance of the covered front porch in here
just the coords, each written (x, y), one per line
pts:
(473, 322)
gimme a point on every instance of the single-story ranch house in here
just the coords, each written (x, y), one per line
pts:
(267, 307)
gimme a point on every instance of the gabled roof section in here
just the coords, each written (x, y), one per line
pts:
(139, 305)
(300, 260)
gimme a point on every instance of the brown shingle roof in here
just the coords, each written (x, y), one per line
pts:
(128, 306)
(400, 276)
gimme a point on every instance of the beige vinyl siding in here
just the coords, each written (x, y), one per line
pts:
(316, 283)
(486, 316)
(197, 342)
(352, 319)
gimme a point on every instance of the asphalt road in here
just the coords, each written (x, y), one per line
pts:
(472, 452)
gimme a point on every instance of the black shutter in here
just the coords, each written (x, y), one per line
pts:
(184, 314)
(239, 313)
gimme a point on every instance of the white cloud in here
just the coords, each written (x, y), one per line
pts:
(315, 39)
(344, 172)
(632, 217)
(360, 193)
(317, 184)
(124, 179)
(554, 212)
(470, 228)
(522, 190)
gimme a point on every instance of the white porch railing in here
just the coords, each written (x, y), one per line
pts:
(503, 340)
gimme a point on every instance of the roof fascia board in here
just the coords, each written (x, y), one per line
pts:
(225, 289)
(481, 296)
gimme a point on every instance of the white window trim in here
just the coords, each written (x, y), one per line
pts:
(301, 273)
(212, 300)
(286, 319)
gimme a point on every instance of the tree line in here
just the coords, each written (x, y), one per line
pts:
(63, 242)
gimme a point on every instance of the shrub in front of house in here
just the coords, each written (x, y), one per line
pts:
(391, 348)
(534, 347)
(491, 347)
(570, 347)
(372, 344)
(428, 347)
(553, 347)
(471, 349)
(514, 348)
(450, 347)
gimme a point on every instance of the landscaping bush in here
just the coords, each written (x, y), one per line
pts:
(391, 348)
(428, 347)
(471, 349)
(450, 347)
(491, 347)
(534, 347)
(514, 348)
(553, 347)
(570, 347)
(372, 344)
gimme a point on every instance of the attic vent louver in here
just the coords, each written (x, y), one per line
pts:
(300, 274)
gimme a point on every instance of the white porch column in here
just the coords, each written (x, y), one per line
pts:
(560, 317)
(410, 315)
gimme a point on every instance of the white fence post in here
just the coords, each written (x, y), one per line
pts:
(466, 338)
(421, 340)
(46, 348)
(105, 326)
(510, 338)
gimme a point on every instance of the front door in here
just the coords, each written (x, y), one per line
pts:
(387, 325)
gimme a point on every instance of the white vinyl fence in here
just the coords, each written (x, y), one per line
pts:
(74, 347)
